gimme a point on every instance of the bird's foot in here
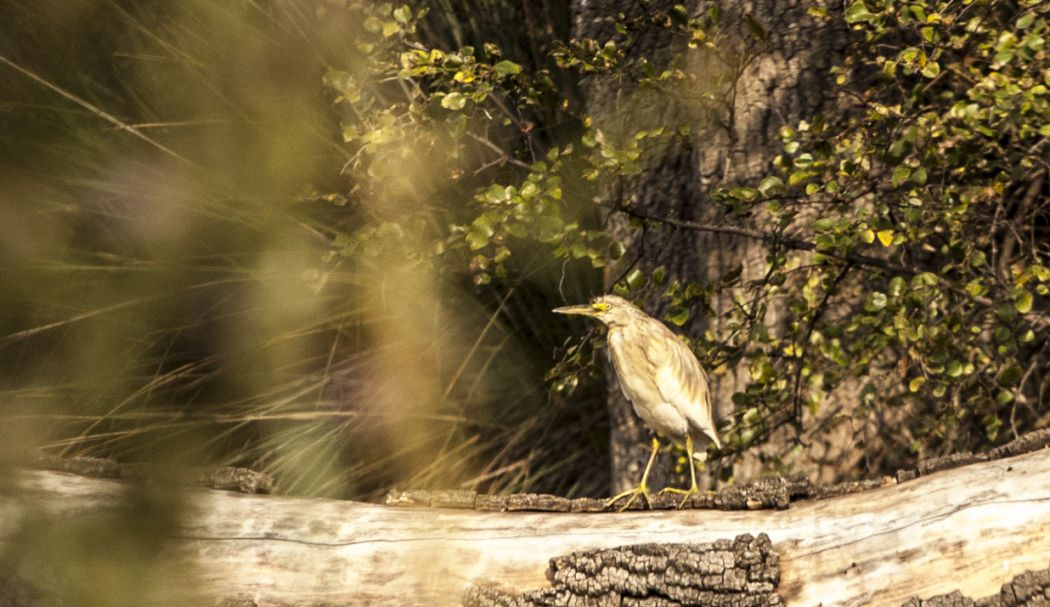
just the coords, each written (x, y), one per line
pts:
(686, 494)
(632, 495)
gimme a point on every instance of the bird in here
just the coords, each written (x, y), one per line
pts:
(662, 379)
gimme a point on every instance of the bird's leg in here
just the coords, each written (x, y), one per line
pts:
(642, 489)
(693, 489)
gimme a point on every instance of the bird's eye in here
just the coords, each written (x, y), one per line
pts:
(601, 307)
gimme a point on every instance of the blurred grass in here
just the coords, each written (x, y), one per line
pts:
(166, 294)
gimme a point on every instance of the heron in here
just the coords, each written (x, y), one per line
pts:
(663, 381)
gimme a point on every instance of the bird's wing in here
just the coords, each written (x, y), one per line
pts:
(683, 383)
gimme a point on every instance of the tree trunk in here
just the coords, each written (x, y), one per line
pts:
(969, 529)
(733, 141)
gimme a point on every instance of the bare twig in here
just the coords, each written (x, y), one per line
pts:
(503, 155)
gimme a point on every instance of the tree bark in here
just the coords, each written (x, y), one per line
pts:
(968, 529)
(733, 141)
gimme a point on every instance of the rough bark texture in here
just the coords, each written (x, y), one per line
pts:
(763, 494)
(969, 528)
(1030, 589)
(739, 573)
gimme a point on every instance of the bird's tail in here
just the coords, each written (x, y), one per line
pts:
(701, 442)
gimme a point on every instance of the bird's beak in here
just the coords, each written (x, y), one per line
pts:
(582, 310)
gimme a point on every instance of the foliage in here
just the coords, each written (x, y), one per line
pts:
(906, 234)
(927, 206)
(192, 280)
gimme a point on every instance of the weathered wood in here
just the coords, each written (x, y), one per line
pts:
(969, 529)
(1030, 589)
(227, 478)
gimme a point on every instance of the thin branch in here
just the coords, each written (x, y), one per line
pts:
(503, 155)
(1038, 319)
(791, 243)
(810, 326)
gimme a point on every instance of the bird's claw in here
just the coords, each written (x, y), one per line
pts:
(640, 490)
(686, 494)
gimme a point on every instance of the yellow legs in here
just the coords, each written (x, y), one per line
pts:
(642, 489)
(693, 489)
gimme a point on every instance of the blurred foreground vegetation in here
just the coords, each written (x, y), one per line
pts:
(186, 280)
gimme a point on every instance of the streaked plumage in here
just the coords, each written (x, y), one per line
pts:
(659, 375)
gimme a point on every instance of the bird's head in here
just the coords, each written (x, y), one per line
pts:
(610, 309)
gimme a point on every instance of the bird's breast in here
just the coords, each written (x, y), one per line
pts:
(633, 371)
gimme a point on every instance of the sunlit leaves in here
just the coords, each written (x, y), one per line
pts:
(944, 147)
(898, 236)
(507, 68)
(454, 101)
(857, 12)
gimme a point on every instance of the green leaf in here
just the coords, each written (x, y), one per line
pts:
(875, 301)
(1023, 302)
(799, 177)
(900, 175)
(390, 28)
(743, 193)
(771, 185)
(454, 101)
(635, 278)
(992, 424)
(975, 288)
(495, 193)
(680, 317)
(506, 68)
(1009, 376)
(755, 27)
(479, 234)
(373, 24)
(761, 371)
(896, 287)
(916, 384)
(824, 224)
(403, 14)
(857, 12)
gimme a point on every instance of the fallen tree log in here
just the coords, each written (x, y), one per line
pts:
(969, 529)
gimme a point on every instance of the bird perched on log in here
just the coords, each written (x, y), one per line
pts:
(662, 379)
